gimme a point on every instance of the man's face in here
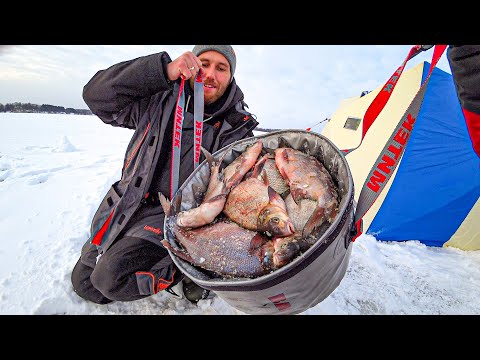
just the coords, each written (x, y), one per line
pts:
(216, 75)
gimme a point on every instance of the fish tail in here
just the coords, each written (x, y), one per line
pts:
(211, 159)
(165, 204)
(208, 156)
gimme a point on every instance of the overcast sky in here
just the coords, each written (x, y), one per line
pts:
(286, 86)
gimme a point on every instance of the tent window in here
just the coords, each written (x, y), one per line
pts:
(352, 123)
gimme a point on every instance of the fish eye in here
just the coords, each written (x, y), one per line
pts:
(276, 220)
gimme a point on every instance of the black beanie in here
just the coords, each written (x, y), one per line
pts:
(225, 50)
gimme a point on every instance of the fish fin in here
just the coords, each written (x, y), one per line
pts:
(233, 182)
(275, 199)
(332, 211)
(177, 203)
(298, 195)
(166, 244)
(248, 175)
(198, 193)
(264, 177)
(165, 204)
(208, 156)
(225, 152)
(320, 230)
(316, 219)
(258, 167)
(167, 209)
(245, 162)
(218, 197)
(182, 254)
(285, 155)
(212, 161)
(257, 241)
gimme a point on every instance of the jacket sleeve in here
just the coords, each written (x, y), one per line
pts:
(464, 62)
(119, 94)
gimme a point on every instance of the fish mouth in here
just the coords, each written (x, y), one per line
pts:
(286, 249)
(291, 228)
(278, 226)
(286, 229)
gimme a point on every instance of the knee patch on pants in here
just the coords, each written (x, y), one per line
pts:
(162, 275)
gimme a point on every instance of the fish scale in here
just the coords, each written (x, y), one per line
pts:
(275, 179)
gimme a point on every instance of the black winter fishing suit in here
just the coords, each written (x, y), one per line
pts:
(123, 260)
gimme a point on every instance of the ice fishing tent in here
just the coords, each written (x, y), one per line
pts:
(433, 195)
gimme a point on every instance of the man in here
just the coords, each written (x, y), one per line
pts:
(123, 260)
(464, 61)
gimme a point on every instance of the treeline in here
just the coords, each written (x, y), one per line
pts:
(18, 107)
(265, 130)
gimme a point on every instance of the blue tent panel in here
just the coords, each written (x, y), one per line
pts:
(438, 179)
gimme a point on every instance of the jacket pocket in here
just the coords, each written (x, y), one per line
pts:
(106, 206)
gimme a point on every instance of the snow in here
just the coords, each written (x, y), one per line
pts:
(55, 169)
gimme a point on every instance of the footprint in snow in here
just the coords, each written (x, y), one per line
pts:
(40, 179)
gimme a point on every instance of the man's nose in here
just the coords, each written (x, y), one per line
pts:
(209, 73)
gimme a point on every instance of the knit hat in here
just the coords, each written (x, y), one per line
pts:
(225, 50)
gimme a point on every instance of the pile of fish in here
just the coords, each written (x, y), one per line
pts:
(258, 213)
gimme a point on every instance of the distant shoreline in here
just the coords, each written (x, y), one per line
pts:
(18, 107)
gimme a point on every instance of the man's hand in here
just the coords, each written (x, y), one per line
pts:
(186, 65)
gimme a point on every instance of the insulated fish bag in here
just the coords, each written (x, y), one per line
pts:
(309, 278)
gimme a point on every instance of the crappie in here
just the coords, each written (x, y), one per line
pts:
(223, 247)
(308, 179)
